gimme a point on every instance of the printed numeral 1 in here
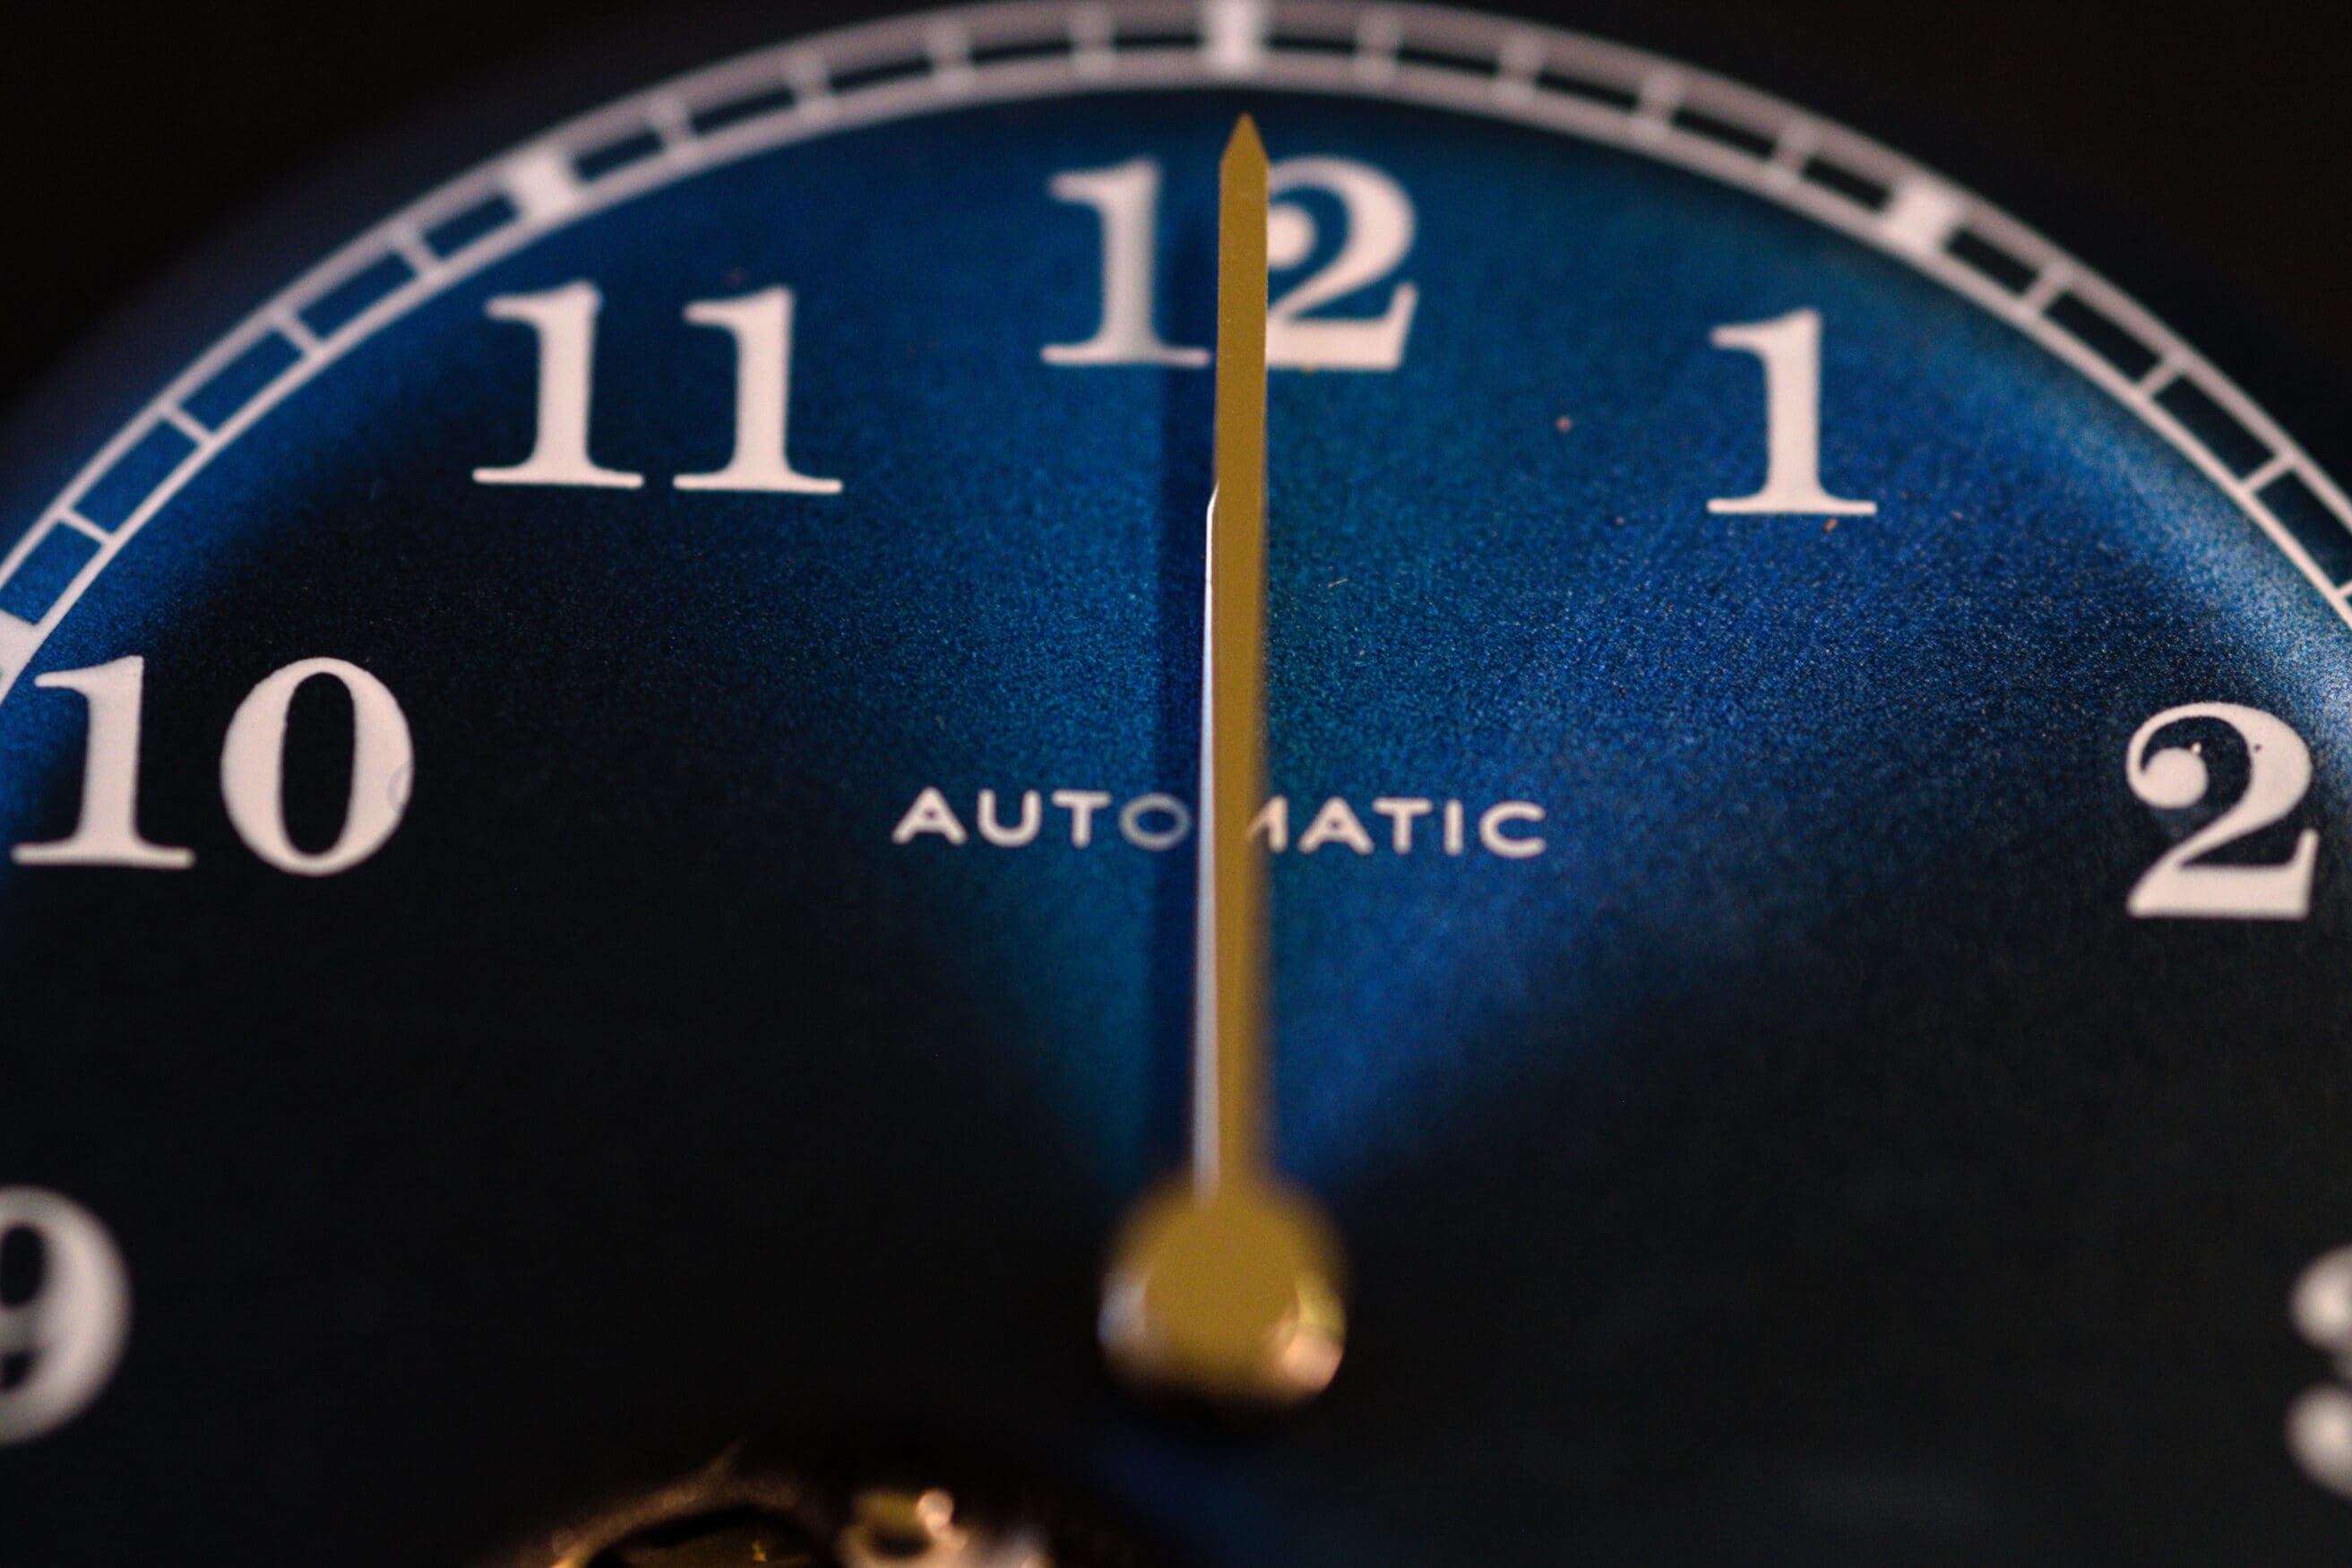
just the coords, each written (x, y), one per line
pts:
(1126, 197)
(1790, 348)
(108, 832)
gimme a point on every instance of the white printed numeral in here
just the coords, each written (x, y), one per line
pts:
(2319, 1422)
(107, 832)
(762, 324)
(253, 769)
(69, 1335)
(564, 320)
(1379, 235)
(2173, 777)
(1380, 230)
(1790, 349)
(1126, 197)
(252, 772)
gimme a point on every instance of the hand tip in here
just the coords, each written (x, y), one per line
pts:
(1245, 140)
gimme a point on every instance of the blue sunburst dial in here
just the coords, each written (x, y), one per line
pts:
(604, 810)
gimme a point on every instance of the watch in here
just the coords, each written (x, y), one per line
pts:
(1178, 781)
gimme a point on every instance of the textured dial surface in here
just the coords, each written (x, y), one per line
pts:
(1785, 1094)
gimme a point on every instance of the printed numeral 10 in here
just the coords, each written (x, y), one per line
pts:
(252, 772)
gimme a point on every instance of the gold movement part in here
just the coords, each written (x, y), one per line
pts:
(727, 1515)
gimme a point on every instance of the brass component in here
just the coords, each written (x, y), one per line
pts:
(902, 1525)
(897, 1528)
(752, 1544)
(752, 1522)
(734, 1515)
(1232, 1296)
(1237, 661)
(1225, 1286)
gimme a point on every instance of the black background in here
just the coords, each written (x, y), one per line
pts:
(2200, 154)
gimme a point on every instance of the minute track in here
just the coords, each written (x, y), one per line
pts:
(1545, 77)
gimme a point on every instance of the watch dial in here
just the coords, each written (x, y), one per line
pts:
(604, 913)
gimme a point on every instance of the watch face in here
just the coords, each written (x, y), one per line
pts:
(675, 897)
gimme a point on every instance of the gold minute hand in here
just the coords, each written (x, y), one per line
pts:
(1230, 1028)
(1224, 1287)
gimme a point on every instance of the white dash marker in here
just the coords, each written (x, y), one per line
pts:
(1920, 217)
(950, 48)
(541, 184)
(1092, 35)
(1516, 68)
(1233, 37)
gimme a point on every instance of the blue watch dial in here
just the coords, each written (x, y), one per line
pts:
(604, 804)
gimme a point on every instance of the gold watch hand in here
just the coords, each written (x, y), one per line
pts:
(1224, 1286)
